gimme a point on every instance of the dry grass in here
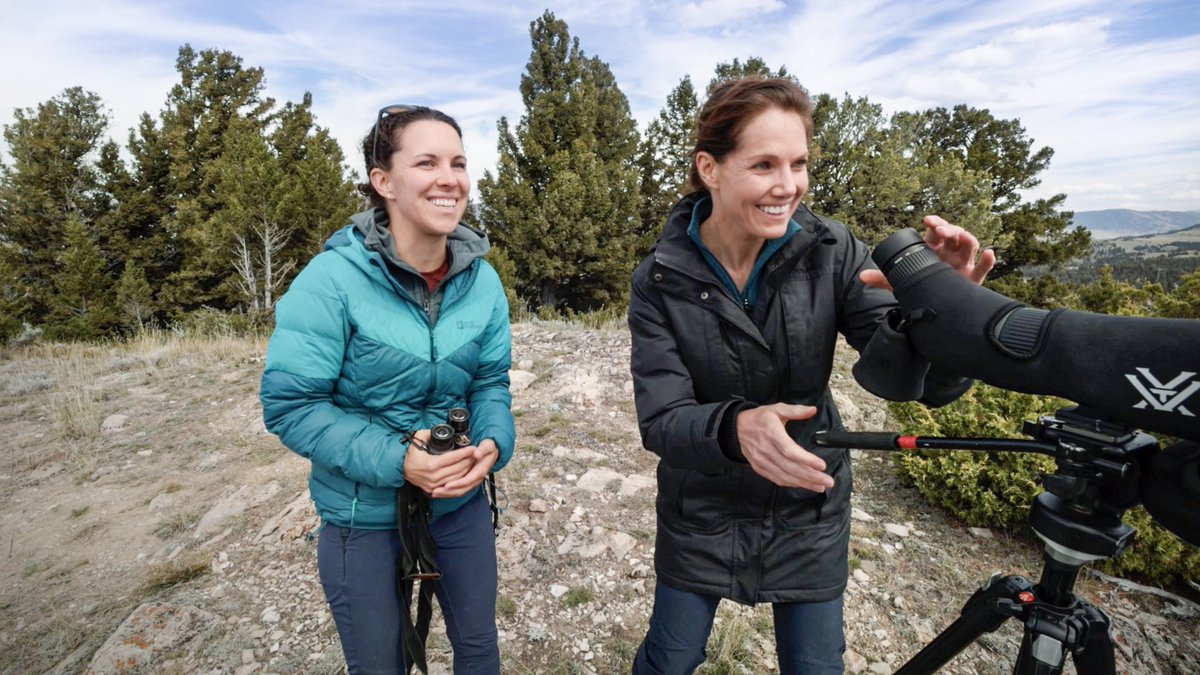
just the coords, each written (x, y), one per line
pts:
(171, 573)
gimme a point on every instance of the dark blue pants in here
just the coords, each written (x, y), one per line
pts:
(358, 573)
(808, 635)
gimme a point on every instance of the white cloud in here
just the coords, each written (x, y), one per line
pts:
(1122, 114)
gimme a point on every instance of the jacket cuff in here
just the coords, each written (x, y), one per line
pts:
(727, 436)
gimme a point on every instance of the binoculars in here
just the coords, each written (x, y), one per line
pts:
(451, 435)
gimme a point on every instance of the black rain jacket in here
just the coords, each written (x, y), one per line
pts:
(723, 530)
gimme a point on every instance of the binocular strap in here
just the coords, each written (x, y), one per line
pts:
(418, 562)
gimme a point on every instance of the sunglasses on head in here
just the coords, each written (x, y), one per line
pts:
(385, 112)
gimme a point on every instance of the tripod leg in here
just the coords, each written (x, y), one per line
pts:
(981, 614)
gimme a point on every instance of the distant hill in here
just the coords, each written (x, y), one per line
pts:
(1110, 223)
(1162, 258)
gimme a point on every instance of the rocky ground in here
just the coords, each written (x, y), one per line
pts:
(150, 524)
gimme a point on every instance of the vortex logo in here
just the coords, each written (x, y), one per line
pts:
(1164, 396)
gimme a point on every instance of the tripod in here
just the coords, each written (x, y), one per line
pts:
(1098, 477)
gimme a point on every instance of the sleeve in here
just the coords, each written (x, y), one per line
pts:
(673, 424)
(304, 360)
(889, 366)
(488, 397)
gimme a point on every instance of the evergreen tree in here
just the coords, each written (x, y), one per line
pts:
(877, 177)
(135, 301)
(215, 92)
(564, 200)
(316, 196)
(753, 67)
(81, 306)
(1036, 232)
(52, 182)
(664, 161)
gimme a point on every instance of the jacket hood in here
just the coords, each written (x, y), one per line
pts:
(370, 229)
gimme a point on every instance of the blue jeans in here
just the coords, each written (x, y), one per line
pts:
(808, 635)
(358, 573)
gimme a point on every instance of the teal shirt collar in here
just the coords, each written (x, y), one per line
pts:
(748, 295)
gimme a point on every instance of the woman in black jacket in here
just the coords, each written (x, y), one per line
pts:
(734, 318)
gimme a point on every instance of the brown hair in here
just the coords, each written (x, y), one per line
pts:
(390, 127)
(733, 104)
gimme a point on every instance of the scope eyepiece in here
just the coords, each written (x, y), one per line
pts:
(902, 255)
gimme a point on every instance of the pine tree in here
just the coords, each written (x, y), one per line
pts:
(564, 200)
(81, 306)
(215, 92)
(665, 159)
(1035, 233)
(753, 67)
(135, 301)
(52, 182)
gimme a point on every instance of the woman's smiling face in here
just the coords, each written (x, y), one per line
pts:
(428, 181)
(759, 184)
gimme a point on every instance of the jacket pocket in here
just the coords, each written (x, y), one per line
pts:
(703, 502)
(797, 509)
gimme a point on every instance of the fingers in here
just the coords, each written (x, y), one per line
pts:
(875, 278)
(987, 260)
(791, 411)
(771, 451)
(798, 468)
(958, 248)
(464, 484)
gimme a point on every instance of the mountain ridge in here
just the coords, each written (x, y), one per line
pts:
(1113, 223)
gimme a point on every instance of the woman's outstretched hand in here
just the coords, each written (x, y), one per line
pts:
(773, 454)
(954, 245)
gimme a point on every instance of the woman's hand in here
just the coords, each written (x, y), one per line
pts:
(483, 458)
(773, 454)
(954, 245)
(428, 471)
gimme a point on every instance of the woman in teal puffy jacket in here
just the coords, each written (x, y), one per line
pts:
(398, 320)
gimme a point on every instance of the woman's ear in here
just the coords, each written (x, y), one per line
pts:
(381, 182)
(708, 168)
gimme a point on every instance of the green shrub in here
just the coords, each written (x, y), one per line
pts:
(208, 322)
(995, 489)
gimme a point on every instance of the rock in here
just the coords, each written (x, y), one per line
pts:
(635, 482)
(113, 423)
(855, 663)
(621, 544)
(519, 380)
(881, 667)
(538, 506)
(897, 530)
(558, 590)
(234, 505)
(861, 516)
(861, 576)
(152, 630)
(981, 532)
(596, 480)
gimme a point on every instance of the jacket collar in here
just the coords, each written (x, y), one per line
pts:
(676, 250)
(464, 245)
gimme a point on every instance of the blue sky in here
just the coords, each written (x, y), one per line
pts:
(1112, 85)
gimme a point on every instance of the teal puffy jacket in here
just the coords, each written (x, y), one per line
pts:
(355, 362)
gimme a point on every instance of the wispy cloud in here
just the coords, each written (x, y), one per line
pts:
(1111, 86)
